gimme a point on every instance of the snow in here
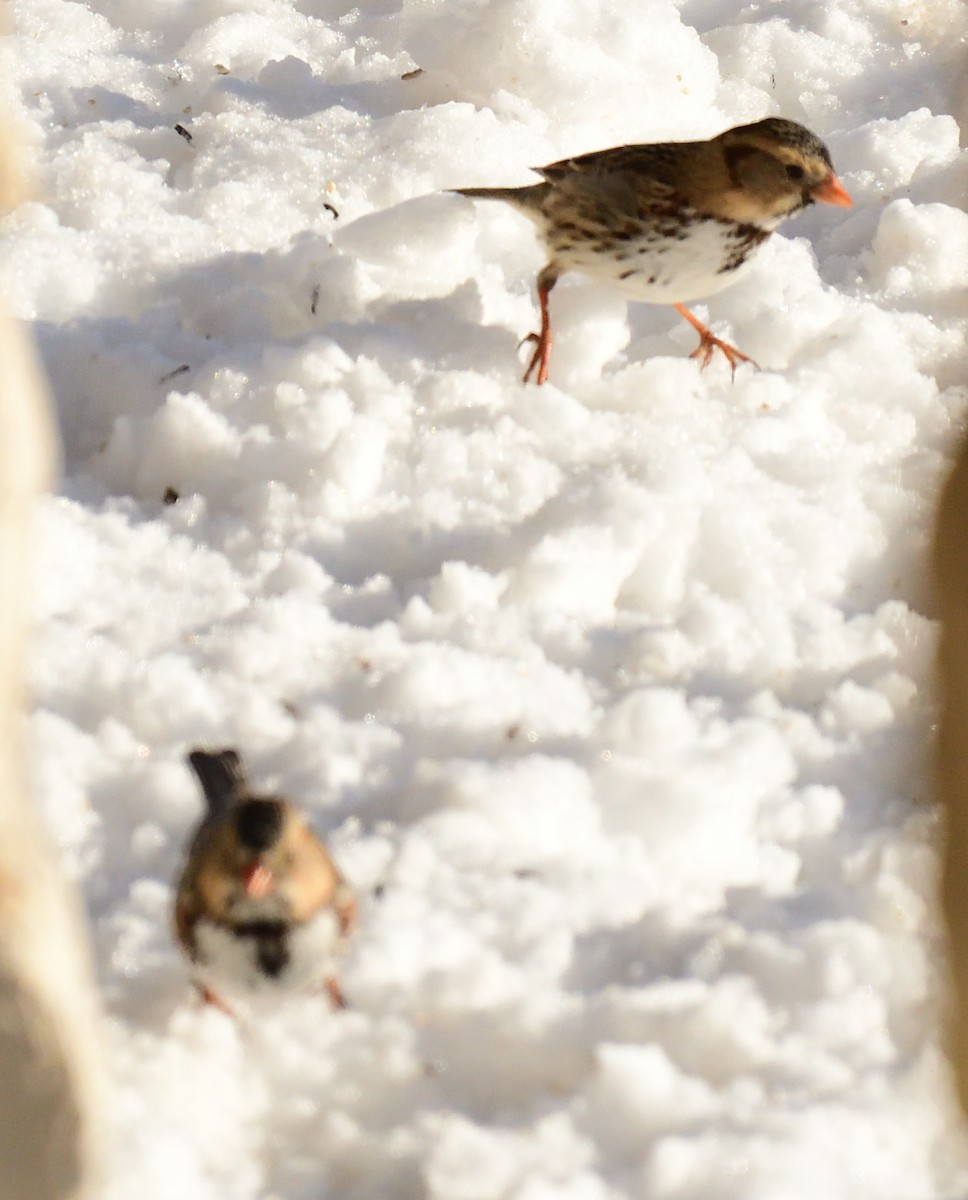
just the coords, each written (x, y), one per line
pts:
(613, 697)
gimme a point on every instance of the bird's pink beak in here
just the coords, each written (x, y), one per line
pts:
(832, 191)
(258, 881)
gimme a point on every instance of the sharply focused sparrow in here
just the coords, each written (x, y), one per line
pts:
(674, 221)
(261, 909)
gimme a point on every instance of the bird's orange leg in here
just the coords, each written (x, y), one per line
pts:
(543, 340)
(335, 993)
(708, 342)
(209, 997)
(345, 905)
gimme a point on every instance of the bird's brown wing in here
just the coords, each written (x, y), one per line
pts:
(661, 163)
(611, 185)
(186, 917)
(668, 178)
(313, 879)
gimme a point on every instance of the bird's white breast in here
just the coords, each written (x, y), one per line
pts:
(228, 964)
(698, 262)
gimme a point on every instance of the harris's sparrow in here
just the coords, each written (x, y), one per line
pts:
(261, 910)
(674, 221)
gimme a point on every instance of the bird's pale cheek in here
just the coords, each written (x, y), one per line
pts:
(215, 886)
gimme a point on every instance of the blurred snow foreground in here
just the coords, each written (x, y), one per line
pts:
(612, 698)
(951, 566)
(49, 1065)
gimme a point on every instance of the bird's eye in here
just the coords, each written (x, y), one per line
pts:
(795, 173)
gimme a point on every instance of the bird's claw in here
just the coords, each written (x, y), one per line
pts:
(708, 343)
(542, 353)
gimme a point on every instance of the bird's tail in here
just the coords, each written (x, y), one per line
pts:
(528, 199)
(221, 775)
(509, 195)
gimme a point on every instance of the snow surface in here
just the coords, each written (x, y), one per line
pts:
(613, 697)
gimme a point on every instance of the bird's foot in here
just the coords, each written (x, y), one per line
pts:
(542, 353)
(708, 343)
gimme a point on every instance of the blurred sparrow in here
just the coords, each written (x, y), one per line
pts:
(260, 909)
(671, 222)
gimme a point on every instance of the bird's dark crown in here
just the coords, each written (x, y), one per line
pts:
(259, 823)
(785, 133)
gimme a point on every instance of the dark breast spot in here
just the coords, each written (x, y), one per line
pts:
(742, 241)
(270, 940)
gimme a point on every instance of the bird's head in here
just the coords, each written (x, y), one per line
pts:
(775, 168)
(263, 861)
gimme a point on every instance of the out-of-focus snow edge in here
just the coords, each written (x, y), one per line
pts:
(951, 576)
(50, 1072)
